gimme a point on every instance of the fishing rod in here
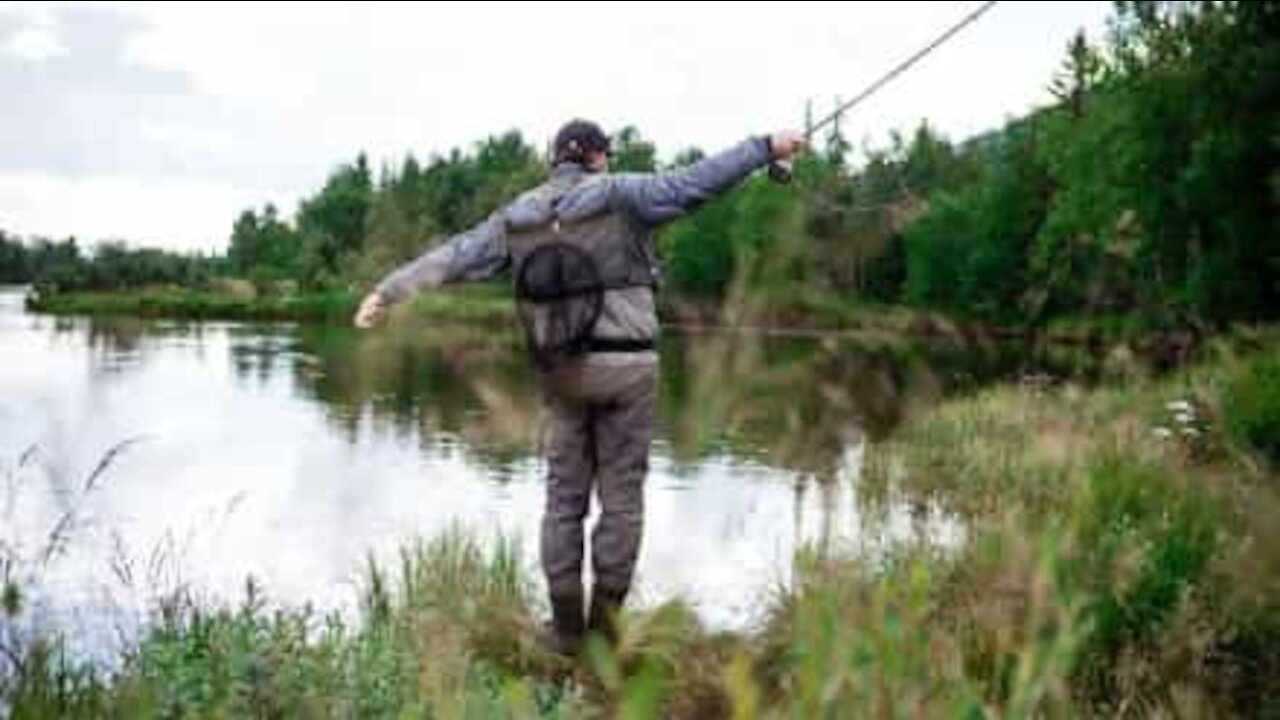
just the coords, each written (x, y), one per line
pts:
(780, 170)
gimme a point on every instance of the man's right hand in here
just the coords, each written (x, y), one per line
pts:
(785, 143)
(373, 309)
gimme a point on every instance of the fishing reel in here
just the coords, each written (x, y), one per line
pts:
(780, 172)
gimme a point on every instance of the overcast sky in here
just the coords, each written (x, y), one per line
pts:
(159, 122)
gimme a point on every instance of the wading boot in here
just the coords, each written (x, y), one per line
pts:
(603, 618)
(564, 636)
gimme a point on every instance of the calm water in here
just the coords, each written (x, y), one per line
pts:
(290, 453)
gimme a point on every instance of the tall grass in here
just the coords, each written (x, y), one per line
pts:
(1109, 569)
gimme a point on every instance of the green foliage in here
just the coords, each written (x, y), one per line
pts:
(332, 223)
(14, 264)
(1178, 222)
(263, 245)
(632, 153)
(937, 248)
(327, 306)
(1098, 573)
(1142, 542)
(1145, 190)
(1148, 190)
(698, 254)
(1251, 408)
(62, 266)
(968, 252)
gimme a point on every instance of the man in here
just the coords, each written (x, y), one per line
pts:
(582, 252)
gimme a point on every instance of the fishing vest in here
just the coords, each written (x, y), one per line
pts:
(567, 272)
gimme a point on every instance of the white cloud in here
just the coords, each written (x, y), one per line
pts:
(181, 214)
(33, 44)
(187, 137)
(296, 90)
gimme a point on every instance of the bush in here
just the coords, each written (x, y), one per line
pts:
(1144, 538)
(1251, 408)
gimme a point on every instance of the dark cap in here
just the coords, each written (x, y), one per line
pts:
(576, 139)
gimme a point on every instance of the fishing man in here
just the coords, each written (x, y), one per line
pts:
(581, 251)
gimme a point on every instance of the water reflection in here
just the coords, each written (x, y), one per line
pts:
(290, 451)
(791, 402)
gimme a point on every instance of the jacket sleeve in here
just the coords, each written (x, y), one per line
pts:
(656, 198)
(476, 254)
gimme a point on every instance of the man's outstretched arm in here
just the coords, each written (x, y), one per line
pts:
(659, 197)
(475, 254)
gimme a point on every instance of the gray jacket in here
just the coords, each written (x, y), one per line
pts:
(648, 199)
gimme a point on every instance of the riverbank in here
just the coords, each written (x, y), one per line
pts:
(491, 305)
(482, 304)
(1119, 559)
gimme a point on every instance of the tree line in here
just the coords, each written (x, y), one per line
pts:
(1149, 187)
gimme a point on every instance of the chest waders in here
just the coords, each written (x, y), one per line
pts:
(564, 269)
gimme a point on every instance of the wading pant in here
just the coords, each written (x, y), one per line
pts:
(601, 424)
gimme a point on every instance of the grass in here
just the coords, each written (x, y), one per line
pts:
(491, 304)
(197, 305)
(810, 311)
(1253, 394)
(475, 304)
(1118, 561)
